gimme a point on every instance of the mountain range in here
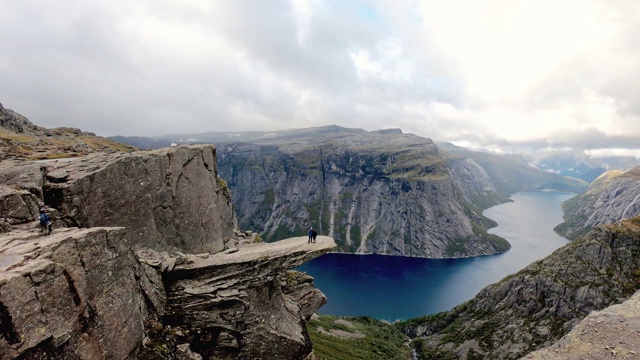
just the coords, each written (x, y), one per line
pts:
(380, 192)
(68, 281)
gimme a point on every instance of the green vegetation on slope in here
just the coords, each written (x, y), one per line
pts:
(534, 307)
(351, 338)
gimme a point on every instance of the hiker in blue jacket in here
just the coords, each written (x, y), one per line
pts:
(311, 231)
(45, 222)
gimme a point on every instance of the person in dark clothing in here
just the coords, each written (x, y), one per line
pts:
(45, 222)
(310, 236)
(314, 235)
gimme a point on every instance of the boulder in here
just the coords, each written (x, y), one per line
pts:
(17, 206)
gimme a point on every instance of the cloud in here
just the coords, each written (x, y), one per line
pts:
(490, 74)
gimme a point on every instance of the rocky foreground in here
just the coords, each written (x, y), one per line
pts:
(144, 262)
(613, 333)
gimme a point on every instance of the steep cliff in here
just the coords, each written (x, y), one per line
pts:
(168, 199)
(170, 277)
(612, 197)
(533, 308)
(380, 192)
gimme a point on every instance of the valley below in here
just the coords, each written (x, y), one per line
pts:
(397, 288)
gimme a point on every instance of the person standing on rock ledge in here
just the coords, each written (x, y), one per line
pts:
(311, 231)
(45, 222)
(314, 234)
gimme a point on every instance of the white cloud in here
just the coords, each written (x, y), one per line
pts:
(485, 73)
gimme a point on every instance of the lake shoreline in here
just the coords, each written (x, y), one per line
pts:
(391, 288)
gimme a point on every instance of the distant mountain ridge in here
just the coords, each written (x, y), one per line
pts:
(513, 173)
(579, 165)
(381, 192)
(374, 192)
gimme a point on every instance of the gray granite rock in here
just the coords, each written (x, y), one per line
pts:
(169, 199)
(73, 294)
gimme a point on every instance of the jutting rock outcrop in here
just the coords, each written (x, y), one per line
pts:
(260, 309)
(613, 196)
(145, 261)
(535, 307)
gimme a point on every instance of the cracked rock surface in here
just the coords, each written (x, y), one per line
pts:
(613, 333)
(78, 293)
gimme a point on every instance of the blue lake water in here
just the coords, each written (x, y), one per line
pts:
(396, 288)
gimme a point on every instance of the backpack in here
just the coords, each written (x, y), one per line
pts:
(44, 219)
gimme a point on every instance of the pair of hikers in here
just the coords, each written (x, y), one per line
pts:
(45, 222)
(312, 236)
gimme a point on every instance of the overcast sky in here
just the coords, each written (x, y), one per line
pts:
(491, 73)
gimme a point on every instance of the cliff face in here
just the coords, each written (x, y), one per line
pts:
(533, 308)
(612, 197)
(244, 303)
(379, 192)
(169, 277)
(168, 199)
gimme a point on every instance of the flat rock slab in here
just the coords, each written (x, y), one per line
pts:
(253, 252)
(18, 247)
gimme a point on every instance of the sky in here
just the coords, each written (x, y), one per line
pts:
(494, 74)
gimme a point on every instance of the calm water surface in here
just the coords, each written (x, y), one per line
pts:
(394, 287)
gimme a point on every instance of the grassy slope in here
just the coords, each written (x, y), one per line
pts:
(380, 341)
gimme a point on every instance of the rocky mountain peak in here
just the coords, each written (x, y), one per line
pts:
(12, 121)
(21, 139)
